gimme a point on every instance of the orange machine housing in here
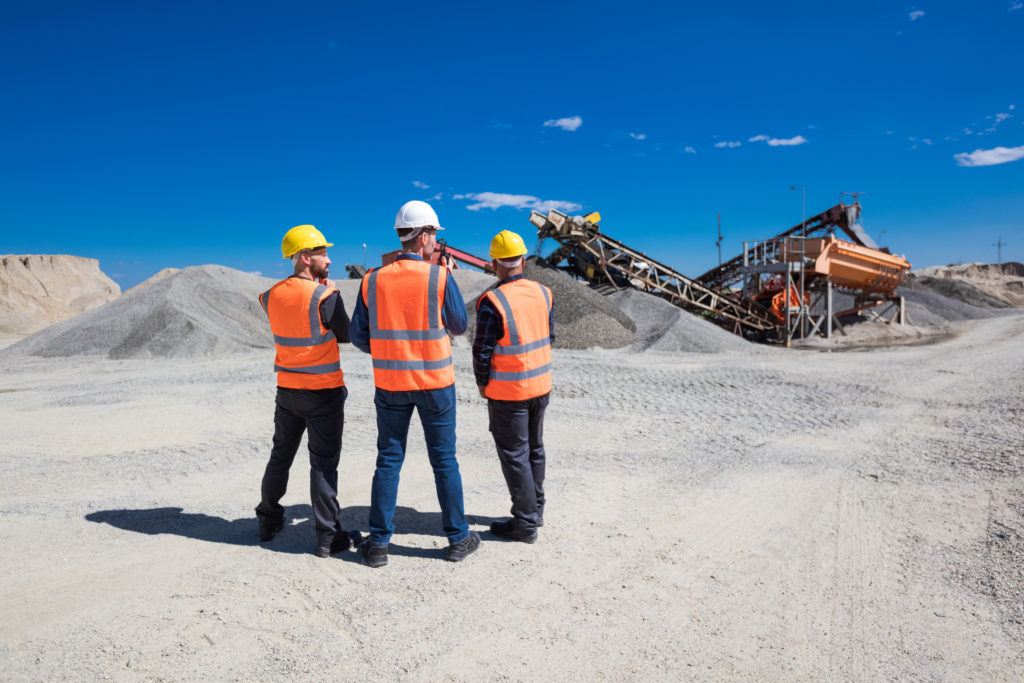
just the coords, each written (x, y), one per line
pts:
(850, 265)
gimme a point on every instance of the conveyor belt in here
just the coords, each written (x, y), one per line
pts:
(601, 259)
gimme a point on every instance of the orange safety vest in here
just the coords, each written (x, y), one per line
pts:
(408, 342)
(307, 351)
(521, 364)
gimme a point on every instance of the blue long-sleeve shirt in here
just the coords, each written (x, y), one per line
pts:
(453, 313)
(490, 327)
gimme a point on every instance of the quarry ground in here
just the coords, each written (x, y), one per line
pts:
(768, 515)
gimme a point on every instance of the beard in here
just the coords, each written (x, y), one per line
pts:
(318, 272)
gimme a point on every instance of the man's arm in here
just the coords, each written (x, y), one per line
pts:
(359, 329)
(332, 312)
(453, 313)
(551, 323)
(489, 329)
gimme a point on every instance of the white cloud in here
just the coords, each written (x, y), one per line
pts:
(420, 185)
(497, 200)
(779, 142)
(915, 15)
(569, 123)
(690, 150)
(638, 136)
(728, 144)
(1014, 6)
(788, 142)
(990, 157)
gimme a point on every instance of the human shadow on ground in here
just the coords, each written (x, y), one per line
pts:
(298, 536)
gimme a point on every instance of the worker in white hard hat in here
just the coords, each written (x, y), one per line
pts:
(402, 318)
(512, 365)
(308, 320)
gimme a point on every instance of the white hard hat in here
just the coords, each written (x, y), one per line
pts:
(416, 214)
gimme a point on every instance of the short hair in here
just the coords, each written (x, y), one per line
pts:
(409, 234)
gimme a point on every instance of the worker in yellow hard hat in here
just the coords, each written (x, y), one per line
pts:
(308, 320)
(512, 364)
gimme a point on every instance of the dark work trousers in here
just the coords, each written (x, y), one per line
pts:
(518, 429)
(320, 413)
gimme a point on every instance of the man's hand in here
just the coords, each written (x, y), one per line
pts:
(328, 283)
(483, 391)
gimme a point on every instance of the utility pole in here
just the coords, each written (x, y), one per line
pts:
(999, 249)
(719, 242)
(802, 315)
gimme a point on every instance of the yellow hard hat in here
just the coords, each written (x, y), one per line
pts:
(302, 237)
(506, 245)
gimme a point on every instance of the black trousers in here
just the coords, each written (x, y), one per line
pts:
(320, 413)
(518, 430)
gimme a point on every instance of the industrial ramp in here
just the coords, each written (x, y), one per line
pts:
(600, 259)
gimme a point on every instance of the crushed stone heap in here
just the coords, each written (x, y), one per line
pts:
(39, 290)
(198, 311)
(663, 326)
(989, 285)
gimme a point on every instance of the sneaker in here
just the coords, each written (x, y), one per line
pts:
(375, 555)
(269, 528)
(510, 532)
(342, 541)
(457, 552)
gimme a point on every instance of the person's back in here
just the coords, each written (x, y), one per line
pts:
(402, 319)
(408, 341)
(308, 321)
(512, 364)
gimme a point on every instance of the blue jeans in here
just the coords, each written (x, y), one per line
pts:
(436, 408)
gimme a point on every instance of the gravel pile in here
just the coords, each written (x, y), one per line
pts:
(954, 288)
(199, 311)
(662, 326)
(583, 318)
(926, 307)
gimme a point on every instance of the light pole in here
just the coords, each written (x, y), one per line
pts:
(719, 242)
(364, 255)
(802, 315)
(803, 205)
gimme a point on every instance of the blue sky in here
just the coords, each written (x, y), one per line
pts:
(157, 134)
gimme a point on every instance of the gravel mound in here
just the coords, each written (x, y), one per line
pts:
(928, 307)
(201, 311)
(662, 326)
(980, 284)
(583, 318)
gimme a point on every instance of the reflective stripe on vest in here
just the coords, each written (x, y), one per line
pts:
(408, 342)
(307, 351)
(521, 364)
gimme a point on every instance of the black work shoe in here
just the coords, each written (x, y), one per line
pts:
(375, 555)
(510, 532)
(269, 528)
(457, 552)
(342, 541)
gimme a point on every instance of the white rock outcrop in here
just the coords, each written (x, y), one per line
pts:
(37, 290)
